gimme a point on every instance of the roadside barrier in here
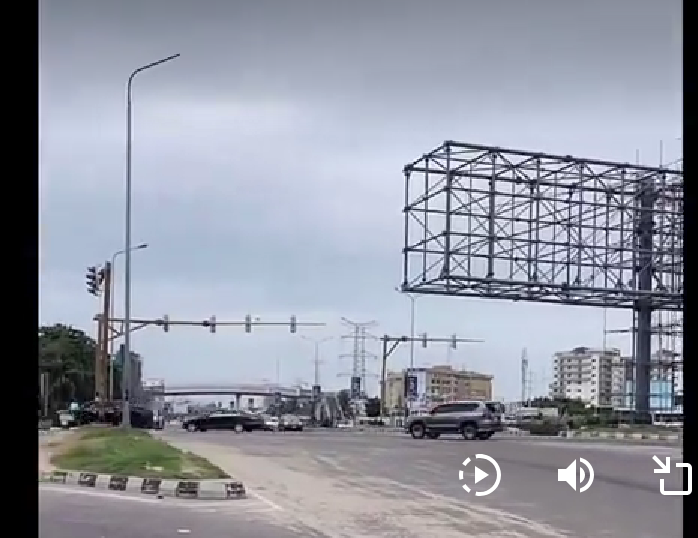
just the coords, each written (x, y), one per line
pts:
(636, 436)
(185, 489)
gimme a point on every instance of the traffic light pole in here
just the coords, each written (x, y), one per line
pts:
(101, 388)
(390, 344)
(98, 354)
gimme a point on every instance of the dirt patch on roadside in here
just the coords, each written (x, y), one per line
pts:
(48, 449)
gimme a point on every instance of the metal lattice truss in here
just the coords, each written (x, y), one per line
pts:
(499, 223)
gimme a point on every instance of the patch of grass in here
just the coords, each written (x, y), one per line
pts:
(131, 452)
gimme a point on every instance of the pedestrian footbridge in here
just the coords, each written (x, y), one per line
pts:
(236, 389)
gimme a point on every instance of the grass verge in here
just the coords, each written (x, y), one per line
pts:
(131, 452)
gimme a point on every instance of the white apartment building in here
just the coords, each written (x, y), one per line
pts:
(593, 376)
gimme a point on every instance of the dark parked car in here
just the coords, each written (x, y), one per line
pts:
(472, 419)
(238, 422)
(141, 417)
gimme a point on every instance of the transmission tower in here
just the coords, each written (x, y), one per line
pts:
(359, 354)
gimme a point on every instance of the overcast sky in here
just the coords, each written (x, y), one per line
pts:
(267, 164)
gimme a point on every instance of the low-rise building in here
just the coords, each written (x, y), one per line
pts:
(436, 384)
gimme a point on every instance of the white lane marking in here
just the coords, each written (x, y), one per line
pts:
(452, 502)
(263, 499)
(183, 531)
(329, 461)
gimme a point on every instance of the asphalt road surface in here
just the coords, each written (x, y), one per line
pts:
(71, 512)
(347, 485)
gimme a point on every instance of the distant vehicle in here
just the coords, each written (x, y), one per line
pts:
(290, 423)
(66, 419)
(238, 422)
(497, 410)
(271, 424)
(472, 419)
(158, 420)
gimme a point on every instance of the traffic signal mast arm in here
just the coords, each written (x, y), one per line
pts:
(390, 344)
(212, 323)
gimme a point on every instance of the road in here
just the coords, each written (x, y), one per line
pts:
(68, 512)
(347, 485)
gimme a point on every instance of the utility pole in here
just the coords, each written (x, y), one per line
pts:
(413, 300)
(44, 392)
(102, 390)
(316, 390)
(99, 349)
(316, 357)
(524, 375)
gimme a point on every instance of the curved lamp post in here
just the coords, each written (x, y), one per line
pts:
(126, 414)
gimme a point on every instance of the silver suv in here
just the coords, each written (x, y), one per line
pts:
(472, 419)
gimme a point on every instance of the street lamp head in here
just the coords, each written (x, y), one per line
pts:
(141, 246)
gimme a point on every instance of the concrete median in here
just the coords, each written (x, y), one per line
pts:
(185, 489)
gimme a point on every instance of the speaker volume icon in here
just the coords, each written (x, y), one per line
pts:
(569, 475)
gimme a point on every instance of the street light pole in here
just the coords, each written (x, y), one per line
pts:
(316, 360)
(126, 413)
(111, 316)
(413, 300)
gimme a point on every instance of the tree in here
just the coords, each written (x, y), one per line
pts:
(67, 356)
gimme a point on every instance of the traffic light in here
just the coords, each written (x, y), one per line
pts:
(248, 323)
(293, 324)
(212, 324)
(92, 284)
(166, 323)
(454, 341)
(424, 339)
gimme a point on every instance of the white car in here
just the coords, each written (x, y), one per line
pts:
(291, 423)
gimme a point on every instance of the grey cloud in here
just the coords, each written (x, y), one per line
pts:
(267, 164)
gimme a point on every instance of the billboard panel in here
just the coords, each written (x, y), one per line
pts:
(355, 388)
(416, 385)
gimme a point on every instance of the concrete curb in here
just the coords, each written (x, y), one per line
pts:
(225, 489)
(53, 430)
(572, 434)
(635, 436)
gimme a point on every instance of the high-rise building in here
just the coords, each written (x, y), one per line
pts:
(436, 384)
(605, 378)
(593, 376)
(666, 383)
